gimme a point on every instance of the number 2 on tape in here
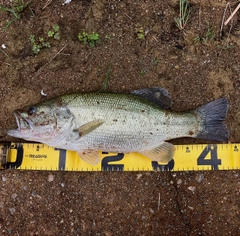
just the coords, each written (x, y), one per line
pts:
(213, 161)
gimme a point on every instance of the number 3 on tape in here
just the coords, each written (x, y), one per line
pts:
(213, 161)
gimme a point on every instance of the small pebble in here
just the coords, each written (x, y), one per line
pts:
(200, 178)
(62, 184)
(66, 2)
(4, 46)
(14, 195)
(12, 210)
(139, 176)
(4, 179)
(192, 188)
(151, 210)
(179, 181)
(50, 178)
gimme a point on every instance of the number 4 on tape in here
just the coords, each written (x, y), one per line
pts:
(213, 161)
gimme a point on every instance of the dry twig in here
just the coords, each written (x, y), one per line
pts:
(199, 16)
(158, 201)
(52, 58)
(47, 3)
(232, 15)
(224, 14)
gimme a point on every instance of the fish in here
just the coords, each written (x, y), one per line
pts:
(141, 121)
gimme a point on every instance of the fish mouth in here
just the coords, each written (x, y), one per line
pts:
(22, 122)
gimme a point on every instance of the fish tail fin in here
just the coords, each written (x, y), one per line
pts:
(212, 116)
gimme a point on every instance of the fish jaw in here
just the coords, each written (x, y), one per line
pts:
(14, 133)
(24, 125)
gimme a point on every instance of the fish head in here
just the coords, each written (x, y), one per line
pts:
(43, 123)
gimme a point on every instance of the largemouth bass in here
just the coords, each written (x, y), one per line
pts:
(114, 122)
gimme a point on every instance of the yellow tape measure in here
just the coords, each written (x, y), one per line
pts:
(29, 156)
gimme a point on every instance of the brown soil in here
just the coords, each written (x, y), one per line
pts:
(193, 72)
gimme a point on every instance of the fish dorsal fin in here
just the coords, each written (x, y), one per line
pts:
(90, 156)
(157, 95)
(162, 153)
(88, 127)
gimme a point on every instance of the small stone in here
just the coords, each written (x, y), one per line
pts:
(14, 195)
(151, 210)
(62, 184)
(50, 178)
(139, 176)
(199, 178)
(4, 179)
(12, 210)
(192, 188)
(179, 181)
(66, 2)
(4, 46)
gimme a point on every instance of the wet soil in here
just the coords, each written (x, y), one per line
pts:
(140, 46)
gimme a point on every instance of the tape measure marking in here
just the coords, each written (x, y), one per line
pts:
(32, 156)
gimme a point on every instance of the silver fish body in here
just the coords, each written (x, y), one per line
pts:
(115, 122)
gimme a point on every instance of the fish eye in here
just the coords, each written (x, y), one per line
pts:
(31, 110)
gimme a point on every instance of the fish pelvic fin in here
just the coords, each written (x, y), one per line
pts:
(162, 153)
(89, 156)
(212, 116)
(88, 127)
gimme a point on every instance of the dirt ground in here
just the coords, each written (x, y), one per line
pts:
(140, 46)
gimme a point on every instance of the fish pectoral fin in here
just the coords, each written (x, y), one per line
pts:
(90, 156)
(162, 153)
(88, 127)
(157, 95)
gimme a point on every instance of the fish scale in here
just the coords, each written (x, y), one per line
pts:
(132, 128)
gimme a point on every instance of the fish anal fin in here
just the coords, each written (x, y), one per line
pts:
(162, 153)
(88, 127)
(90, 156)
